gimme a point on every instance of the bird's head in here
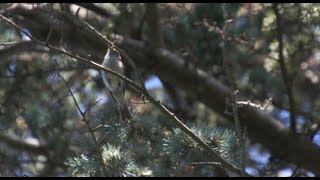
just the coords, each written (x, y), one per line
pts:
(112, 52)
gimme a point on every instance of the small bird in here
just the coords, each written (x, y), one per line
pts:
(115, 85)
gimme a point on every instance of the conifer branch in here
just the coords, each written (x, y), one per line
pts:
(142, 90)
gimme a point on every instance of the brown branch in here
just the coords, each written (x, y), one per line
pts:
(205, 164)
(91, 132)
(157, 103)
(299, 111)
(65, 27)
(8, 43)
(153, 20)
(156, 41)
(234, 38)
(296, 170)
(170, 67)
(96, 9)
(123, 53)
(181, 108)
(20, 145)
(287, 82)
(234, 91)
(260, 126)
(38, 72)
(20, 47)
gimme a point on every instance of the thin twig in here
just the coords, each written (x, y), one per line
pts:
(156, 41)
(234, 92)
(91, 131)
(287, 82)
(124, 54)
(142, 90)
(234, 38)
(50, 27)
(243, 150)
(8, 43)
(206, 163)
(259, 122)
(139, 101)
(296, 170)
(91, 105)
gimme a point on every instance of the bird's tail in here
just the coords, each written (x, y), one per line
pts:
(124, 113)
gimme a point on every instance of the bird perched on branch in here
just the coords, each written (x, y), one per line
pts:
(115, 85)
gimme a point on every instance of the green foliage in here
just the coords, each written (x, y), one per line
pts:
(182, 148)
(229, 147)
(146, 147)
(117, 162)
(83, 166)
(36, 107)
(127, 144)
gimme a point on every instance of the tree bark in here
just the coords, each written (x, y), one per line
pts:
(170, 67)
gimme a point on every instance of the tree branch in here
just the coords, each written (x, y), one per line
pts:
(260, 126)
(91, 132)
(233, 95)
(142, 90)
(96, 9)
(181, 108)
(153, 20)
(170, 67)
(287, 82)
(20, 47)
(23, 146)
(156, 41)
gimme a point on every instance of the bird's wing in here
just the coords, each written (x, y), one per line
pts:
(106, 80)
(107, 83)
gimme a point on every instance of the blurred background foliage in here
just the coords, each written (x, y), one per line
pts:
(36, 107)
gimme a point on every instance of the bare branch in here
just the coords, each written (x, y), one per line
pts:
(287, 82)
(261, 126)
(91, 131)
(233, 95)
(205, 163)
(98, 10)
(20, 47)
(156, 41)
(141, 90)
(171, 67)
(22, 145)
(234, 38)
(181, 108)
